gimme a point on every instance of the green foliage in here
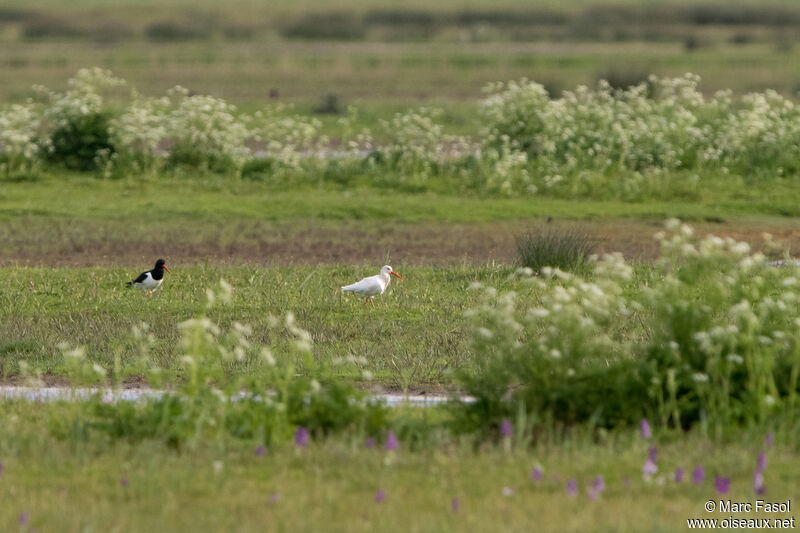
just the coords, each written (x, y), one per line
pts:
(77, 143)
(339, 25)
(329, 105)
(49, 27)
(622, 78)
(168, 31)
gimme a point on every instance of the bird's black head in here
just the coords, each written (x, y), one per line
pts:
(161, 266)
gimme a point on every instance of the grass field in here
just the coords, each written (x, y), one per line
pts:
(290, 250)
(377, 56)
(597, 395)
(414, 341)
(379, 76)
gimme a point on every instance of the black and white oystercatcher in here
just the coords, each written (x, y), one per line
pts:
(151, 280)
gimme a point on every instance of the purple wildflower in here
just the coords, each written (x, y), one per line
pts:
(649, 469)
(31, 283)
(260, 450)
(645, 425)
(652, 453)
(23, 519)
(380, 496)
(598, 486)
(769, 440)
(761, 463)
(505, 428)
(123, 481)
(301, 437)
(758, 482)
(722, 484)
(536, 474)
(370, 442)
(572, 487)
(698, 475)
(273, 498)
(627, 482)
(454, 505)
(391, 441)
(679, 475)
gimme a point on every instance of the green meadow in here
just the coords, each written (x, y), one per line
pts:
(587, 275)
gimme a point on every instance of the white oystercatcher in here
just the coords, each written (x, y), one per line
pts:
(369, 287)
(151, 280)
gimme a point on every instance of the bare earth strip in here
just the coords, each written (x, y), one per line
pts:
(81, 243)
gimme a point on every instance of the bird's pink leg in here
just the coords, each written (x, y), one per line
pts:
(372, 301)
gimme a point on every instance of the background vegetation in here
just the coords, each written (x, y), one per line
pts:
(307, 145)
(377, 54)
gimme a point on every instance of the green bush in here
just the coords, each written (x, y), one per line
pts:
(48, 27)
(336, 25)
(77, 143)
(168, 31)
(622, 78)
(329, 105)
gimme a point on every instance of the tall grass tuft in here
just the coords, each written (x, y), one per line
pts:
(565, 248)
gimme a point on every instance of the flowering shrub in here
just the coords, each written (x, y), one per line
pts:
(278, 393)
(84, 96)
(663, 124)
(505, 169)
(655, 138)
(205, 132)
(552, 355)
(725, 335)
(287, 139)
(76, 121)
(713, 339)
(139, 131)
(19, 130)
(417, 143)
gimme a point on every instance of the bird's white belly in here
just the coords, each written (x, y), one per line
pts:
(148, 284)
(372, 290)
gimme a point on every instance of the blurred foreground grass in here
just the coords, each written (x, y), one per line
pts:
(332, 486)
